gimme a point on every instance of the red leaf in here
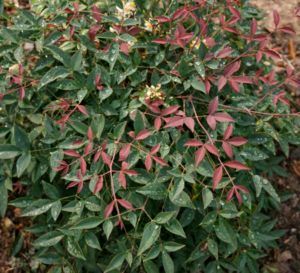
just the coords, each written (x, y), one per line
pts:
(82, 165)
(160, 161)
(253, 26)
(162, 19)
(157, 123)
(88, 148)
(237, 141)
(227, 149)
(73, 184)
(99, 184)
(190, 123)
(148, 162)
(170, 110)
(242, 188)
(213, 106)
(22, 93)
(230, 194)
(212, 149)
(242, 79)
(106, 158)
(223, 117)
(234, 85)
(276, 18)
(130, 172)
(90, 134)
(96, 13)
(193, 143)
(93, 30)
(238, 196)
(217, 177)
(236, 165)
(143, 134)
(124, 152)
(221, 83)
(228, 132)
(72, 153)
(97, 156)
(109, 209)
(199, 155)
(225, 52)
(122, 179)
(174, 122)
(125, 204)
(160, 41)
(155, 149)
(82, 109)
(232, 68)
(211, 121)
(288, 30)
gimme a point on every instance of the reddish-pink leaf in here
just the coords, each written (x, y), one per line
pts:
(122, 179)
(217, 176)
(160, 161)
(193, 143)
(238, 196)
(93, 30)
(199, 155)
(223, 117)
(234, 85)
(225, 52)
(230, 194)
(288, 30)
(213, 105)
(96, 13)
(276, 18)
(232, 68)
(90, 134)
(73, 184)
(253, 26)
(221, 83)
(109, 209)
(227, 149)
(97, 156)
(130, 172)
(228, 132)
(174, 122)
(125, 204)
(106, 158)
(212, 149)
(211, 121)
(88, 148)
(237, 141)
(242, 79)
(148, 162)
(22, 93)
(155, 149)
(160, 41)
(72, 153)
(242, 188)
(157, 123)
(82, 109)
(99, 184)
(190, 123)
(236, 165)
(162, 19)
(82, 165)
(124, 152)
(170, 110)
(143, 134)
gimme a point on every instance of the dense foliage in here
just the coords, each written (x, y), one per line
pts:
(144, 133)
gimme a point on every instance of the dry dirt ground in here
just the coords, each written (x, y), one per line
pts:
(284, 259)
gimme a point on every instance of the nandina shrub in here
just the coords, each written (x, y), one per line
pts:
(143, 133)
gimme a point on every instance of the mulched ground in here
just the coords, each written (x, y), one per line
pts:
(286, 258)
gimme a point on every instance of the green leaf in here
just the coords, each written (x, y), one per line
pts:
(200, 68)
(76, 61)
(167, 262)
(57, 72)
(150, 267)
(50, 190)
(258, 184)
(56, 210)
(74, 248)
(198, 85)
(119, 130)
(150, 235)
(172, 246)
(175, 227)
(207, 197)
(225, 233)
(183, 200)
(3, 198)
(92, 240)
(37, 207)
(97, 125)
(21, 138)
(88, 223)
(49, 239)
(59, 55)
(267, 186)
(163, 217)
(105, 93)
(115, 263)
(23, 163)
(113, 55)
(213, 248)
(8, 151)
(156, 191)
(107, 228)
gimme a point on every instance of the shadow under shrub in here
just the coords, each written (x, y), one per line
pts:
(144, 132)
